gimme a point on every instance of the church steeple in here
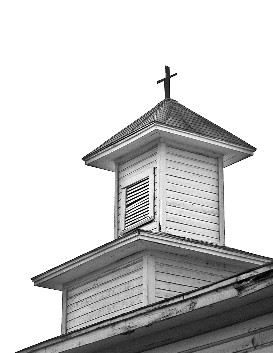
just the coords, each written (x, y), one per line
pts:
(169, 219)
(169, 172)
(168, 259)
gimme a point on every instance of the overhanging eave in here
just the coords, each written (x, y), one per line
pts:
(106, 158)
(140, 241)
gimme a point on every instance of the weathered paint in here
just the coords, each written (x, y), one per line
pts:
(218, 318)
(134, 282)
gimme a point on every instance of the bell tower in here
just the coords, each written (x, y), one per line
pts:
(169, 172)
(169, 242)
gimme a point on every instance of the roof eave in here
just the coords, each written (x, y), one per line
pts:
(105, 159)
(138, 241)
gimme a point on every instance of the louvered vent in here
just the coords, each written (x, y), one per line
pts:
(137, 202)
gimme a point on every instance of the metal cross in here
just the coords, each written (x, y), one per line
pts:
(167, 81)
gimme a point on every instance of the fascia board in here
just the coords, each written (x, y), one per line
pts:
(103, 255)
(206, 140)
(113, 152)
(105, 158)
(229, 294)
(182, 246)
(136, 242)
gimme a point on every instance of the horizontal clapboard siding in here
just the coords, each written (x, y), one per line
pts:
(106, 294)
(176, 275)
(194, 159)
(135, 165)
(192, 197)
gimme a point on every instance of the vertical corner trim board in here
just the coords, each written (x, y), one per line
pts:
(64, 310)
(192, 195)
(148, 279)
(161, 190)
(221, 201)
(116, 200)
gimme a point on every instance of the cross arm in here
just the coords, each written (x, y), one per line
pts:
(163, 79)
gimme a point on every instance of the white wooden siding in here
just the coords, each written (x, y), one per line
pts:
(108, 293)
(175, 274)
(135, 165)
(192, 195)
(139, 280)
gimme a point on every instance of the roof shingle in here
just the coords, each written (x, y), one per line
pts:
(170, 113)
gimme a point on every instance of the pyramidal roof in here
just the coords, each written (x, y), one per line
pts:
(172, 114)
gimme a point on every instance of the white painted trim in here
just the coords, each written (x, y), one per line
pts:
(151, 278)
(129, 181)
(221, 201)
(175, 312)
(148, 279)
(156, 129)
(116, 200)
(64, 311)
(149, 134)
(122, 210)
(137, 241)
(161, 190)
(152, 193)
(145, 280)
(209, 140)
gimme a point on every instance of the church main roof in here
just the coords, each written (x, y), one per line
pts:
(171, 113)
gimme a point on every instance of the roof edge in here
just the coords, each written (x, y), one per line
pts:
(141, 239)
(239, 287)
(154, 115)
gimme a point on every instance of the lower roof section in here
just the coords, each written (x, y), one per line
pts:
(138, 241)
(231, 301)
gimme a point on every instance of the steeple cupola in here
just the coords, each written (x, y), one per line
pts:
(169, 172)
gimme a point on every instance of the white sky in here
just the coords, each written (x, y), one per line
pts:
(73, 73)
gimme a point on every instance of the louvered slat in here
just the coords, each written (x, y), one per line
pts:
(137, 204)
(133, 193)
(138, 196)
(138, 185)
(138, 208)
(143, 210)
(134, 221)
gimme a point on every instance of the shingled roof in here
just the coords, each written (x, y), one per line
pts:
(172, 114)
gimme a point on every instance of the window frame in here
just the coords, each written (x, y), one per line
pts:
(150, 173)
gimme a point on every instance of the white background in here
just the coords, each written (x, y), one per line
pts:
(73, 73)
